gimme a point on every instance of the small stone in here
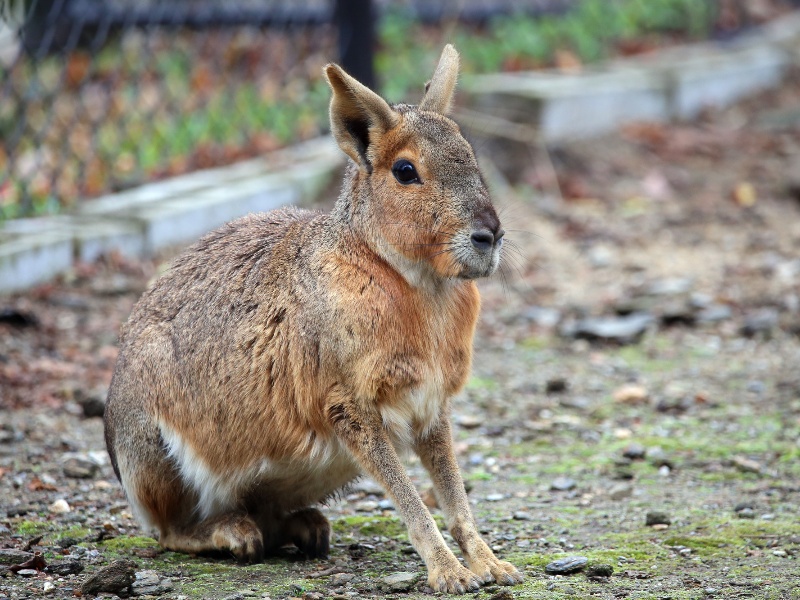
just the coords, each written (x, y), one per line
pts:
(66, 567)
(117, 576)
(368, 486)
(657, 518)
(58, 507)
(495, 497)
(470, 422)
(340, 579)
(563, 484)
(366, 506)
(623, 330)
(150, 583)
(9, 556)
(522, 516)
(48, 587)
(386, 505)
(658, 458)
(746, 465)
(620, 491)
(27, 573)
(400, 582)
(600, 571)
(780, 553)
(631, 394)
(760, 321)
(714, 313)
(634, 451)
(674, 286)
(565, 566)
(556, 385)
(80, 468)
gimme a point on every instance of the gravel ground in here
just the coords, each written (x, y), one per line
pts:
(635, 400)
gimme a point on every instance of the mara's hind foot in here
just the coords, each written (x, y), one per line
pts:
(234, 533)
(309, 530)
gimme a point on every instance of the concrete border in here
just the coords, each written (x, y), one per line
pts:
(671, 84)
(146, 219)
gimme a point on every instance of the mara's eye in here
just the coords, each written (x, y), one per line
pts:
(405, 172)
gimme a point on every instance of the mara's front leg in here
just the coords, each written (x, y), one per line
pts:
(364, 435)
(436, 452)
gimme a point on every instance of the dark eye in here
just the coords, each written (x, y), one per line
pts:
(405, 172)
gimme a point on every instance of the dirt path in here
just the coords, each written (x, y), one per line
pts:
(567, 441)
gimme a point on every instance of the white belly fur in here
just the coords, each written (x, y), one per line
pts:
(327, 468)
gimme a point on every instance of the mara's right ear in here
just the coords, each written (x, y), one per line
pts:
(358, 115)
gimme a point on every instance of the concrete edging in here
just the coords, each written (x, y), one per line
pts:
(146, 219)
(671, 84)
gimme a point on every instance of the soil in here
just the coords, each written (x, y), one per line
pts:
(672, 455)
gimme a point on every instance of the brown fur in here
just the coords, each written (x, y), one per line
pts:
(285, 353)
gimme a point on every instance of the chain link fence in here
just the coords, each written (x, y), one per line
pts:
(100, 95)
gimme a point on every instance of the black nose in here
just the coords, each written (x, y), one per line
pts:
(483, 239)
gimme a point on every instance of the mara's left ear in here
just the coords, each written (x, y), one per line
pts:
(440, 90)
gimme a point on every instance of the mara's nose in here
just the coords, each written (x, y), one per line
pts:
(484, 239)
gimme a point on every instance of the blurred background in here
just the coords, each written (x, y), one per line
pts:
(101, 95)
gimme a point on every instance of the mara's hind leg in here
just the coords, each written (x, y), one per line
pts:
(307, 529)
(234, 532)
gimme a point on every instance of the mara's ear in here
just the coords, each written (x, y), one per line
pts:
(440, 89)
(358, 115)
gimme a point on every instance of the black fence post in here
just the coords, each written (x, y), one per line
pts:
(355, 23)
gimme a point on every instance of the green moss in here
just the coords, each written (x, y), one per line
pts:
(32, 527)
(478, 475)
(128, 542)
(358, 526)
(481, 383)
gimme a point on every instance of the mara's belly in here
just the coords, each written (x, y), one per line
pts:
(286, 484)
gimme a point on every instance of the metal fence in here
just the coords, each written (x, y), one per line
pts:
(99, 95)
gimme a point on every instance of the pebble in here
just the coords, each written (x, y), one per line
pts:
(368, 486)
(563, 484)
(631, 394)
(620, 491)
(470, 422)
(714, 313)
(80, 468)
(543, 316)
(522, 516)
(27, 572)
(400, 582)
(340, 579)
(619, 329)
(65, 567)
(117, 576)
(495, 497)
(760, 321)
(366, 506)
(150, 583)
(600, 570)
(657, 518)
(565, 566)
(48, 587)
(58, 507)
(9, 556)
(780, 553)
(746, 465)
(386, 505)
(634, 451)
(672, 286)
(556, 385)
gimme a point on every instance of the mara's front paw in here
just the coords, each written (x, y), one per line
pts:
(453, 578)
(491, 568)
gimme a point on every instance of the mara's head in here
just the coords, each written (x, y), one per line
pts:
(421, 192)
